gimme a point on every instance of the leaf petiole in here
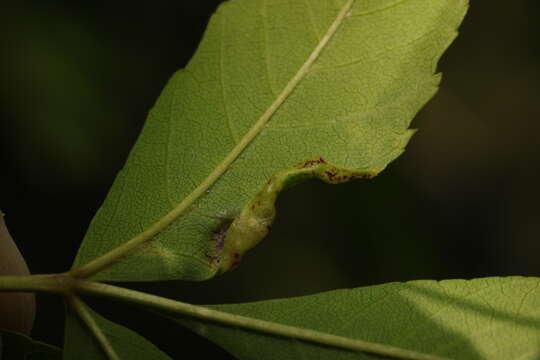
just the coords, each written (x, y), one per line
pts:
(80, 309)
(168, 306)
(68, 286)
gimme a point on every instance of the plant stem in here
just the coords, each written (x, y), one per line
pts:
(66, 285)
(80, 309)
(199, 312)
(52, 283)
(150, 233)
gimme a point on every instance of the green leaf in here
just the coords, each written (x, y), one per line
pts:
(491, 318)
(14, 345)
(79, 343)
(273, 83)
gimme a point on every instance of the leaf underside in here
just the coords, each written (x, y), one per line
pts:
(14, 345)
(81, 345)
(255, 85)
(491, 318)
(273, 83)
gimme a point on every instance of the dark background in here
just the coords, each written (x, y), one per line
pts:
(77, 79)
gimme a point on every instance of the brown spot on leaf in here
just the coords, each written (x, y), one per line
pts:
(217, 237)
(236, 262)
(312, 163)
(330, 174)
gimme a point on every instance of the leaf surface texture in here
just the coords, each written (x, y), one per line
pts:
(273, 83)
(81, 345)
(490, 318)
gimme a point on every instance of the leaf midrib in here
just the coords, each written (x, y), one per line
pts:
(123, 250)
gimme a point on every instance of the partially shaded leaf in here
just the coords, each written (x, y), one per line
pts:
(80, 344)
(15, 345)
(491, 318)
(273, 83)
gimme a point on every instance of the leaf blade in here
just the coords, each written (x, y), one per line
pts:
(15, 345)
(463, 319)
(127, 344)
(209, 130)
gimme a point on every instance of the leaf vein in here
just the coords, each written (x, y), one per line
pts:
(266, 55)
(221, 81)
(97, 333)
(377, 10)
(126, 248)
(311, 20)
(376, 56)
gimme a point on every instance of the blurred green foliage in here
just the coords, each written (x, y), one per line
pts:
(78, 79)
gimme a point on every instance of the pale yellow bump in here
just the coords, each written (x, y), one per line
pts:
(160, 253)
